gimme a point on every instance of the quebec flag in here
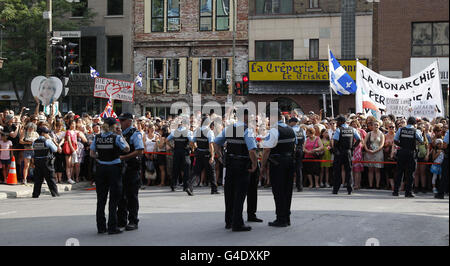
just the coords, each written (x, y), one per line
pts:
(340, 80)
(94, 73)
(138, 79)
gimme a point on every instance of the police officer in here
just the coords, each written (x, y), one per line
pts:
(106, 148)
(183, 139)
(406, 138)
(43, 160)
(443, 184)
(240, 162)
(129, 203)
(204, 153)
(300, 134)
(345, 139)
(279, 150)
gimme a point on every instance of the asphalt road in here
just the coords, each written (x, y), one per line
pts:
(173, 218)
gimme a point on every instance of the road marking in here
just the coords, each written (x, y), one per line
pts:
(6, 213)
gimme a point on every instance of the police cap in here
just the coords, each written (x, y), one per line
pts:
(126, 116)
(41, 130)
(110, 121)
(412, 120)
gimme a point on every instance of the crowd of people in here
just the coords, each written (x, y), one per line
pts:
(373, 168)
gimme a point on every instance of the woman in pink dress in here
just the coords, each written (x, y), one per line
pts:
(358, 168)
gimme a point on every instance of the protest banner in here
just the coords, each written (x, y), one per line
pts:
(374, 90)
(114, 89)
(424, 109)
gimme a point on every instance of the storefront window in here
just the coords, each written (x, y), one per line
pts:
(172, 76)
(205, 81)
(221, 76)
(156, 76)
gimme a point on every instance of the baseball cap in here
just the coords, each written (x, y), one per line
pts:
(110, 121)
(41, 130)
(125, 116)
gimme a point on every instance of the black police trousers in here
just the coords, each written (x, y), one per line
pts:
(281, 178)
(202, 162)
(129, 202)
(298, 169)
(342, 158)
(252, 194)
(108, 179)
(237, 180)
(44, 170)
(181, 162)
(406, 166)
(443, 183)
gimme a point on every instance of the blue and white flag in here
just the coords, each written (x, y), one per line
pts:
(94, 73)
(340, 80)
(138, 79)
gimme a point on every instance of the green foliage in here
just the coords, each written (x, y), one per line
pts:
(25, 33)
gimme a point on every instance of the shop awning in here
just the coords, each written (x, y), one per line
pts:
(289, 88)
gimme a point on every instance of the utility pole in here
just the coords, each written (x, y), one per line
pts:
(234, 46)
(48, 70)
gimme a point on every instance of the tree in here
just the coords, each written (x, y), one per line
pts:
(25, 38)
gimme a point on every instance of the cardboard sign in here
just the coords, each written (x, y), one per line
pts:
(47, 90)
(114, 89)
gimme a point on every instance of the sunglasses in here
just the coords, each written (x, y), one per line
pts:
(391, 127)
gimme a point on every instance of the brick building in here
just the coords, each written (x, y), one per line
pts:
(298, 32)
(185, 48)
(409, 36)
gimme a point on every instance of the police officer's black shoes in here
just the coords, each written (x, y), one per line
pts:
(277, 223)
(299, 189)
(189, 192)
(172, 188)
(439, 196)
(215, 192)
(241, 229)
(228, 226)
(410, 195)
(114, 232)
(254, 219)
(335, 192)
(395, 194)
(131, 227)
(101, 231)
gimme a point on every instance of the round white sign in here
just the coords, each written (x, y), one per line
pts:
(47, 90)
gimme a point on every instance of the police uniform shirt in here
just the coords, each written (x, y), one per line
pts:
(135, 139)
(338, 133)
(271, 139)
(297, 129)
(179, 132)
(120, 142)
(418, 134)
(249, 137)
(48, 143)
(209, 135)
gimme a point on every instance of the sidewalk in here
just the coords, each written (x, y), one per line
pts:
(22, 191)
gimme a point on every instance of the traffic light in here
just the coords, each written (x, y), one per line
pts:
(71, 58)
(238, 88)
(246, 84)
(59, 59)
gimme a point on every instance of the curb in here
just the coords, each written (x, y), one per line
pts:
(20, 191)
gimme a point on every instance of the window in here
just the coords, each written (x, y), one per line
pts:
(115, 54)
(79, 9)
(88, 51)
(271, 7)
(430, 39)
(158, 16)
(222, 15)
(205, 80)
(173, 15)
(172, 76)
(221, 76)
(206, 15)
(314, 49)
(313, 3)
(115, 7)
(274, 50)
(156, 75)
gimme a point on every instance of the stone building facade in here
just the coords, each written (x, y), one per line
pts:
(185, 48)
